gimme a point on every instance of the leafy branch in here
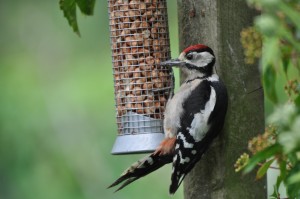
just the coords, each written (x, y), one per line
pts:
(69, 9)
(277, 33)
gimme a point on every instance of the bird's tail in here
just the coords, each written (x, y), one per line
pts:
(180, 169)
(141, 168)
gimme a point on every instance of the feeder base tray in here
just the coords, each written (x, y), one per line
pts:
(138, 143)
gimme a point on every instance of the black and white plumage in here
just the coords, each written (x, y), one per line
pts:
(194, 116)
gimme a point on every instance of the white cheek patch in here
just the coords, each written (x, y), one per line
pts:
(201, 59)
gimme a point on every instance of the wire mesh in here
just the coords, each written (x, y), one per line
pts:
(139, 42)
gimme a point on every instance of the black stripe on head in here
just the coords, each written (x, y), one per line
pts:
(206, 70)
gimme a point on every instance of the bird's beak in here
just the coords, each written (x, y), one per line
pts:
(173, 62)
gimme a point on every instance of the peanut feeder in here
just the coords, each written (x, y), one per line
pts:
(139, 42)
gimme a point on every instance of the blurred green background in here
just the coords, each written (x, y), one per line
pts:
(57, 117)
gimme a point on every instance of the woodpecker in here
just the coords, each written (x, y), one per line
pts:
(194, 116)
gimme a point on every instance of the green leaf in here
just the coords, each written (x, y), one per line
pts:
(86, 6)
(263, 169)
(289, 36)
(285, 65)
(269, 79)
(297, 101)
(271, 52)
(276, 186)
(280, 178)
(275, 194)
(292, 158)
(69, 9)
(295, 178)
(282, 168)
(262, 156)
(278, 182)
(293, 181)
(286, 57)
(292, 13)
(267, 25)
(270, 3)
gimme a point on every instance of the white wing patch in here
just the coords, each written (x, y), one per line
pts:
(183, 160)
(185, 143)
(200, 126)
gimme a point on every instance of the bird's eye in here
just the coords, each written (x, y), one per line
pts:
(189, 56)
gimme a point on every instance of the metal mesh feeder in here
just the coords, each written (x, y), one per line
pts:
(139, 42)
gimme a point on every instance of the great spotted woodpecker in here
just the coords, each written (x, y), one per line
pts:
(194, 116)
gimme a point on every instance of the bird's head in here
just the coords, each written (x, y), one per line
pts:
(196, 60)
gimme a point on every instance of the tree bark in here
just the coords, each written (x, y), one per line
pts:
(218, 23)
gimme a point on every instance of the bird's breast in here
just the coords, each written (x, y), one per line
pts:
(174, 108)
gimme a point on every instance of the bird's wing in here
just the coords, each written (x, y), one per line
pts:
(141, 168)
(196, 132)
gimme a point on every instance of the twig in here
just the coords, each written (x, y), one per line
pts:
(260, 164)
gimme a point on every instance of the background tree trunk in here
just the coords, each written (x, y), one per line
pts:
(218, 24)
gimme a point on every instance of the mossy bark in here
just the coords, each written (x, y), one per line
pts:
(218, 23)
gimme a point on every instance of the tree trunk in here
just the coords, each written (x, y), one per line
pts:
(218, 23)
